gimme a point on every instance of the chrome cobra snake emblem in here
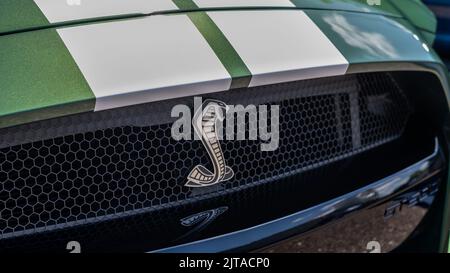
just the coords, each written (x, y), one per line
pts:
(205, 125)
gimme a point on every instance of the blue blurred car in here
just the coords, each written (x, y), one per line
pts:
(442, 10)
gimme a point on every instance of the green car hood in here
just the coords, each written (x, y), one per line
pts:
(22, 15)
(58, 59)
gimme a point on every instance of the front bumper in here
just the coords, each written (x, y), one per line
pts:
(363, 216)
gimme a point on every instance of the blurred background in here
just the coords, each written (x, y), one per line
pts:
(441, 9)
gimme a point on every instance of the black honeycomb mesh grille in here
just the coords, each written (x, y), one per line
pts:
(110, 172)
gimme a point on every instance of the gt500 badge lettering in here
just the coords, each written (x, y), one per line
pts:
(204, 217)
(205, 126)
(201, 220)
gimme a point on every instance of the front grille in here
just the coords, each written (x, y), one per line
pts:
(98, 166)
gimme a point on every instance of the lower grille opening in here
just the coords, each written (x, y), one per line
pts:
(117, 177)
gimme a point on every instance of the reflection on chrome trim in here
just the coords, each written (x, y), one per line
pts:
(321, 214)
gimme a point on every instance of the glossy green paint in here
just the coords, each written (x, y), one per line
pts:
(24, 15)
(429, 37)
(385, 8)
(417, 13)
(233, 63)
(412, 10)
(20, 14)
(365, 38)
(39, 79)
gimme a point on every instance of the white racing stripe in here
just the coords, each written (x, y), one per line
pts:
(243, 3)
(67, 10)
(142, 60)
(280, 45)
(161, 57)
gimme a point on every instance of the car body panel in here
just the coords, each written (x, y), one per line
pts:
(372, 210)
(22, 15)
(419, 16)
(37, 74)
(417, 13)
(41, 80)
(373, 38)
(58, 63)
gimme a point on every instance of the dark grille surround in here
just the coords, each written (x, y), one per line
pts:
(97, 166)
